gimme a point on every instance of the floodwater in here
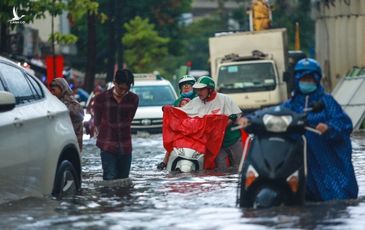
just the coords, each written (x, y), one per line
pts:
(157, 200)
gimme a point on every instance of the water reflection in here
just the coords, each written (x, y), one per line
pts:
(156, 199)
(313, 215)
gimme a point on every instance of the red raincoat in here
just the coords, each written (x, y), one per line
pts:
(203, 134)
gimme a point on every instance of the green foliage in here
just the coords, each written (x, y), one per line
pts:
(186, 42)
(144, 48)
(63, 38)
(286, 15)
(164, 14)
(38, 9)
(79, 8)
(196, 38)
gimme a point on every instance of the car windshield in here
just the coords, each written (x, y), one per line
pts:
(246, 77)
(157, 95)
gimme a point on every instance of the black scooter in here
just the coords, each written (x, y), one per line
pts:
(273, 169)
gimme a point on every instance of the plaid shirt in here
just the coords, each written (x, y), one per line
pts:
(113, 120)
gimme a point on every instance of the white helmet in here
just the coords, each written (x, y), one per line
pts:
(186, 79)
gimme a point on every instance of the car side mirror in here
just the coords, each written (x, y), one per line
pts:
(7, 101)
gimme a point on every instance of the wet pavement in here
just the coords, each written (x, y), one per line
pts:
(158, 200)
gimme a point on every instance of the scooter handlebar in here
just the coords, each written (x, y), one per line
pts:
(237, 127)
(310, 129)
(241, 126)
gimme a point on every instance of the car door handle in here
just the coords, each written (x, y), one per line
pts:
(18, 122)
(50, 114)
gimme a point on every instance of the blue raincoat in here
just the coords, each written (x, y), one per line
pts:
(330, 171)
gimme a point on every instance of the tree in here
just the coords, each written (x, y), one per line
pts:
(144, 48)
(164, 14)
(197, 40)
(93, 15)
(286, 14)
(38, 9)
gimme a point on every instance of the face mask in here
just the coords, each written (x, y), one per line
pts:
(307, 87)
(187, 94)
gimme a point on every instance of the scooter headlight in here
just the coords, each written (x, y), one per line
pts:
(277, 124)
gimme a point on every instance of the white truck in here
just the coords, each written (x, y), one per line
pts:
(250, 67)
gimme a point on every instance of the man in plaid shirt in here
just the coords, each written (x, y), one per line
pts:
(114, 110)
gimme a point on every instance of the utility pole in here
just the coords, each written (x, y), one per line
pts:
(52, 40)
(3, 38)
(297, 36)
(111, 41)
(91, 51)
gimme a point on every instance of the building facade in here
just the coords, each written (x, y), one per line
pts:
(339, 37)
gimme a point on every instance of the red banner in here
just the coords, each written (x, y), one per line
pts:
(54, 67)
(203, 134)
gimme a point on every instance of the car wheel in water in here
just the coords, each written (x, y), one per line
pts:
(67, 182)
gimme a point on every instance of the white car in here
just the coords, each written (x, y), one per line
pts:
(38, 147)
(153, 92)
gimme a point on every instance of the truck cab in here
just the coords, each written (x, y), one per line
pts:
(250, 67)
(251, 84)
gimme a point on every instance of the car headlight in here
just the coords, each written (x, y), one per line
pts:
(277, 124)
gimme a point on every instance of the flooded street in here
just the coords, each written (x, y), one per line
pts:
(157, 200)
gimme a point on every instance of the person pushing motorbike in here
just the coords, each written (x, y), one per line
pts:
(209, 101)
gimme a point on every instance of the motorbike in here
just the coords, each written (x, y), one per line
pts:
(273, 168)
(185, 160)
(191, 143)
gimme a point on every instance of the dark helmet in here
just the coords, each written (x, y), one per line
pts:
(203, 82)
(308, 66)
(186, 79)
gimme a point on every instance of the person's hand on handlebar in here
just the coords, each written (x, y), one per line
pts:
(322, 127)
(242, 122)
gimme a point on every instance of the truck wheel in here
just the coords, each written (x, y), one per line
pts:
(67, 182)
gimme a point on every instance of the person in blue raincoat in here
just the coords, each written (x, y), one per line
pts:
(330, 171)
(331, 174)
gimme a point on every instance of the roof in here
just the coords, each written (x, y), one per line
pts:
(145, 83)
(151, 82)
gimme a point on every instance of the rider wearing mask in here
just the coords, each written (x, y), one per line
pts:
(330, 171)
(186, 83)
(211, 102)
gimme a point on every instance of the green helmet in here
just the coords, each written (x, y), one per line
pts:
(204, 81)
(186, 79)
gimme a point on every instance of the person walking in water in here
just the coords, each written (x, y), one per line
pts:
(114, 111)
